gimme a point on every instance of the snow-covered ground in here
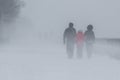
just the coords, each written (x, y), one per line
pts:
(46, 20)
(50, 62)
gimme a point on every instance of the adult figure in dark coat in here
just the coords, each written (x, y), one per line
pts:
(69, 39)
(89, 40)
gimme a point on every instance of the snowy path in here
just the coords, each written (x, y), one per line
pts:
(38, 63)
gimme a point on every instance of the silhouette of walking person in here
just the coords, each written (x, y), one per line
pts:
(89, 40)
(69, 39)
(79, 43)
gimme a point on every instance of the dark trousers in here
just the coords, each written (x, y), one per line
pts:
(70, 49)
(89, 48)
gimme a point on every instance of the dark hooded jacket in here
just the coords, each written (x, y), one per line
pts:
(89, 37)
(69, 35)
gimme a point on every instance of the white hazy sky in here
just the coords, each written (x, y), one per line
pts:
(54, 15)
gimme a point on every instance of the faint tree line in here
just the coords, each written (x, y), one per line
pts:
(10, 9)
(9, 12)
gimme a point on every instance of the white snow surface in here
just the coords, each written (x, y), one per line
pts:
(49, 62)
(46, 20)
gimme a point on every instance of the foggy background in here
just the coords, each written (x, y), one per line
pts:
(53, 16)
(31, 36)
(47, 19)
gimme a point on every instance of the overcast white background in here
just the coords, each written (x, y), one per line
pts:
(31, 53)
(54, 15)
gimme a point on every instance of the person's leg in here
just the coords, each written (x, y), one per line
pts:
(67, 50)
(70, 50)
(89, 50)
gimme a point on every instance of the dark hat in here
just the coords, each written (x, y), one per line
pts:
(90, 27)
(71, 24)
